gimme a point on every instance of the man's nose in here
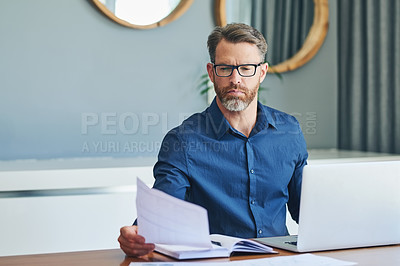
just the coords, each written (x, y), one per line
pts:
(235, 78)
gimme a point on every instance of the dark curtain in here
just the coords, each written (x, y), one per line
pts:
(285, 23)
(369, 75)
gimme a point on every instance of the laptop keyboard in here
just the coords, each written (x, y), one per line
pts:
(294, 243)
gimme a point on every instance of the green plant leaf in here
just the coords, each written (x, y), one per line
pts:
(203, 83)
(204, 91)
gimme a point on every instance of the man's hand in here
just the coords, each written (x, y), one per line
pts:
(132, 243)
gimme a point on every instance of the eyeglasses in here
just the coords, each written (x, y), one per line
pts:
(245, 70)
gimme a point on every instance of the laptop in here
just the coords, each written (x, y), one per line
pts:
(346, 205)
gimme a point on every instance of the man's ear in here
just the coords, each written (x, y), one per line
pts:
(210, 70)
(264, 70)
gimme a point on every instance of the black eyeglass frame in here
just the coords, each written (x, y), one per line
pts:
(237, 68)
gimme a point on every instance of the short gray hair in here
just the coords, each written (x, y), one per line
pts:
(236, 33)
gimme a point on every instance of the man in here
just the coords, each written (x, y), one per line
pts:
(239, 159)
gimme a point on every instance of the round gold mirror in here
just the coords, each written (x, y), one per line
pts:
(143, 14)
(309, 47)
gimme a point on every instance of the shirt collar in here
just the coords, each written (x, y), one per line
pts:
(264, 118)
(219, 125)
(216, 120)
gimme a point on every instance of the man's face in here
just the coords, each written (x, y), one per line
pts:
(236, 92)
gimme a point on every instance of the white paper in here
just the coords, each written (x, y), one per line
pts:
(164, 219)
(295, 260)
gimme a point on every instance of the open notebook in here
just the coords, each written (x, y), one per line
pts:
(222, 246)
(180, 229)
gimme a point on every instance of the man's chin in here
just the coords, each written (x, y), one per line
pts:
(234, 105)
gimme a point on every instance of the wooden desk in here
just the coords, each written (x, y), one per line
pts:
(388, 256)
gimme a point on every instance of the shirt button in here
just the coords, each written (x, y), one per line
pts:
(260, 231)
(252, 202)
(252, 171)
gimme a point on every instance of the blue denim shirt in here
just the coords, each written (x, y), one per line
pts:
(243, 182)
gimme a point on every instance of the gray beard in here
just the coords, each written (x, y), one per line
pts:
(234, 104)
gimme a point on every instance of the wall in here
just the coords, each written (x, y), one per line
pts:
(75, 84)
(62, 59)
(310, 92)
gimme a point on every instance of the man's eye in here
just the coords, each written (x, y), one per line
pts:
(245, 68)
